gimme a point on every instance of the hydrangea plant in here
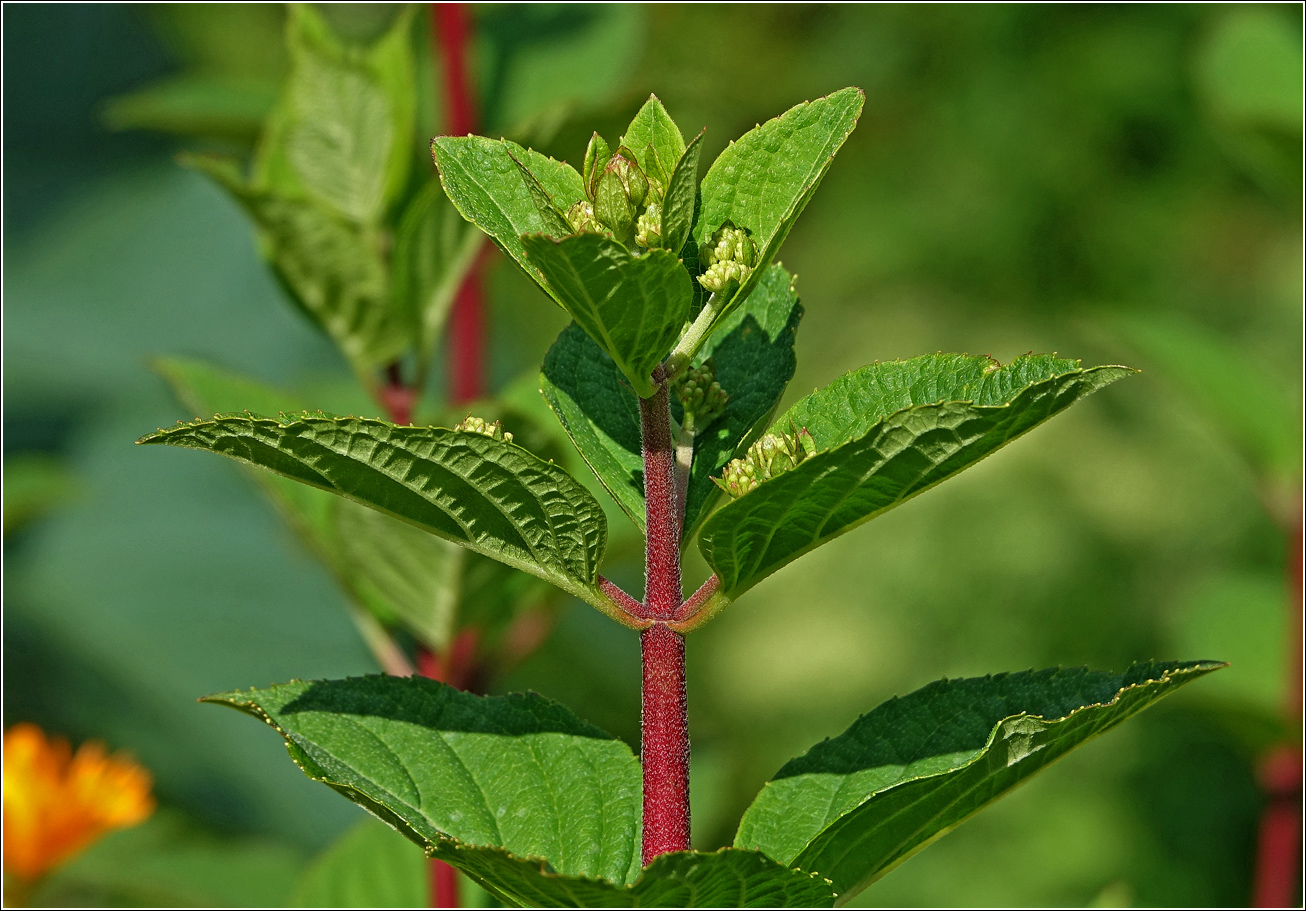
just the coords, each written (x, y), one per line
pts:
(668, 381)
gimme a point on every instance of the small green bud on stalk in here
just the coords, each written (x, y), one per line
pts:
(613, 208)
(648, 229)
(772, 455)
(730, 257)
(494, 431)
(581, 218)
(701, 396)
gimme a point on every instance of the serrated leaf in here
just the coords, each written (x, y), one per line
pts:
(888, 432)
(517, 773)
(370, 866)
(434, 249)
(483, 181)
(554, 222)
(763, 180)
(654, 127)
(753, 353)
(682, 194)
(332, 268)
(600, 413)
(634, 307)
(854, 807)
(487, 495)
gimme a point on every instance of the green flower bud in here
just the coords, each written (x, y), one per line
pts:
(581, 218)
(701, 396)
(730, 255)
(772, 455)
(471, 424)
(597, 155)
(633, 179)
(648, 229)
(613, 208)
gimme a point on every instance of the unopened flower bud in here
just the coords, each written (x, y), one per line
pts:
(701, 396)
(730, 255)
(633, 179)
(613, 208)
(769, 457)
(581, 218)
(648, 229)
(494, 431)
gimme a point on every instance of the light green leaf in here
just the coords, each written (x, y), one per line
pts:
(634, 307)
(517, 773)
(487, 495)
(554, 222)
(753, 353)
(332, 268)
(887, 432)
(485, 185)
(434, 249)
(854, 807)
(370, 866)
(654, 127)
(343, 129)
(682, 193)
(600, 413)
(763, 180)
(196, 104)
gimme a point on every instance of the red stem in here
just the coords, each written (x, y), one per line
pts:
(664, 727)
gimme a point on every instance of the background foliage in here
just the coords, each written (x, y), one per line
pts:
(1116, 184)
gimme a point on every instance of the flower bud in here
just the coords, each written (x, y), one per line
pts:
(633, 179)
(701, 396)
(581, 218)
(613, 208)
(648, 229)
(730, 255)
(772, 455)
(494, 431)
(597, 155)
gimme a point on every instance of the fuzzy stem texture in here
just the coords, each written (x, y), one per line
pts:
(664, 728)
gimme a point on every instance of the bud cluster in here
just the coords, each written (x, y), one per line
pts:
(494, 431)
(616, 188)
(770, 456)
(729, 255)
(701, 396)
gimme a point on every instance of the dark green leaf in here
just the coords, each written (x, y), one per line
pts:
(654, 127)
(753, 353)
(370, 866)
(483, 181)
(332, 268)
(517, 773)
(682, 192)
(634, 307)
(763, 180)
(600, 413)
(490, 496)
(888, 432)
(854, 807)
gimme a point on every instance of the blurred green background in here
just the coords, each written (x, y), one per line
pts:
(1120, 184)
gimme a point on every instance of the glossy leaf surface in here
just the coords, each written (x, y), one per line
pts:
(633, 306)
(682, 194)
(854, 807)
(653, 126)
(887, 432)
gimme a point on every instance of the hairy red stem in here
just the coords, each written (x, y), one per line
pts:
(664, 727)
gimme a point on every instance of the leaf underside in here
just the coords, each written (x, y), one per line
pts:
(487, 495)
(854, 807)
(539, 807)
(888, 432)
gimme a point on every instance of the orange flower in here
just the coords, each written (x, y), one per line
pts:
(57, 803)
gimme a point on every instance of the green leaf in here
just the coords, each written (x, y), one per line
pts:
(332, 268)
(887, 432)
(199, 105)
(343, 129)
(370, 866)
(854, 807)
(763, 180)
(517, 773)
(753, 353)
(634, 307)
(682, 193)
(654, 127)
(600, 413)
(487, 495)
(483, 181)
(434, 249)
(554, 222)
